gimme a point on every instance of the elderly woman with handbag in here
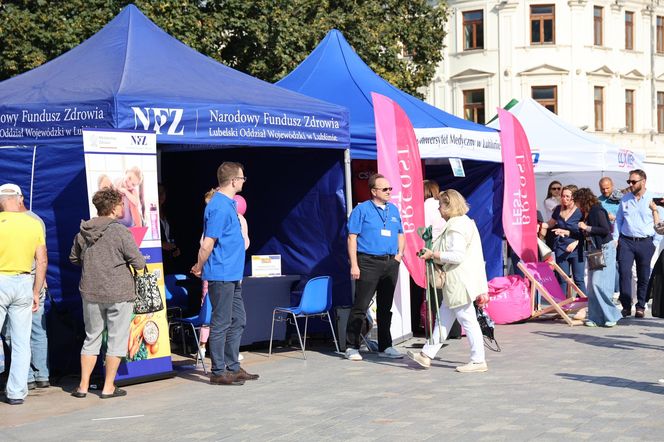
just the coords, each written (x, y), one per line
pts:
(601, 259)
(458, 252)
(106, 250)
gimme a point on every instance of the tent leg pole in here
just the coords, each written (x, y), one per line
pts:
(348, 179)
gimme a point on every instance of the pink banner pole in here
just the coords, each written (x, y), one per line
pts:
(399, 161)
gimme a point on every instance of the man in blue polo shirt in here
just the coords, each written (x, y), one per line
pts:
(635, 232)
(221, 263)
(375, 248)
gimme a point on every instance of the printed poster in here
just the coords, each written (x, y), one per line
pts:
(127, 161)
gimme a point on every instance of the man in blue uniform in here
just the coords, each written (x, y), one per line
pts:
(221, 263)
(375, 248)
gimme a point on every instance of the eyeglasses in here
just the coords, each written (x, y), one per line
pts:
(632, 182)
(384, 189)
(556, 188)
(241, 178)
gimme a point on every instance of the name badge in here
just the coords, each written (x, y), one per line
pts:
(385, 232)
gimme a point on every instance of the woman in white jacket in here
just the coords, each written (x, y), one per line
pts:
(459, 251)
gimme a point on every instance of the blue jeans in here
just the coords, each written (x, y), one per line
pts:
(571, 260)
(16, 306)
(227, 325)
(39, 346)
(631, 251)
(600, 302)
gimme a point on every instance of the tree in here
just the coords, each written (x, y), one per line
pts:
(265, 38)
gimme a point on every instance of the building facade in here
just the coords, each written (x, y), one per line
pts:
(597, 64)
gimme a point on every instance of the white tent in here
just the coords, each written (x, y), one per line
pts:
(567, 154)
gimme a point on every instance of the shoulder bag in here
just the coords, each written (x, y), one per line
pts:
(148, 299)
(594, 256)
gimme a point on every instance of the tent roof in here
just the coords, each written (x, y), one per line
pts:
(133, 62)
(334, 72)
(559, 146)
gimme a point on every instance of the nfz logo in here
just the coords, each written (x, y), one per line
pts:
(625, 158)
(156, 118)
(139, 140)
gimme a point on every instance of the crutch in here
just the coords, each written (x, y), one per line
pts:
(426, 234)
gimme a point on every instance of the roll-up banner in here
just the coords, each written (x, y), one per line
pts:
(127, 161)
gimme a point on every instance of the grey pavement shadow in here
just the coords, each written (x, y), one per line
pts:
(600, 341)
(616, 382)
(649, 322)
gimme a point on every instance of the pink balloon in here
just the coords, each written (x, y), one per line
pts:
(241, 204)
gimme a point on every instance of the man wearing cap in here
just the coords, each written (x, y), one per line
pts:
(21, 243)
(375, 248)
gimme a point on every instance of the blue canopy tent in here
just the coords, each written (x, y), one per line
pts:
(133, 75)
(334, 72)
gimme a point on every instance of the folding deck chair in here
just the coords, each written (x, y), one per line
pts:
(543, 280)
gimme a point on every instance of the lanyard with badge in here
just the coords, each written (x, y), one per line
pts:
(384, 231)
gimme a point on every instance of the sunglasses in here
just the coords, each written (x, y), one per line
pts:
(384, 189)
(241, 178)
(556, 188)
(632, 182)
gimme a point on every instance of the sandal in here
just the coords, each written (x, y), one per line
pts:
(78, 394)
(116, 393)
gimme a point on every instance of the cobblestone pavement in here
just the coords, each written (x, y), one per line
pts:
(550, 382)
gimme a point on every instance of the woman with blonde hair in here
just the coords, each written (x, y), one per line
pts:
(458, 250)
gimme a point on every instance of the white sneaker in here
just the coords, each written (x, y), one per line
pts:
(352, 354)
(390, 352)
(661, 381)
(473, 367)
(423, 360)
(240, 357)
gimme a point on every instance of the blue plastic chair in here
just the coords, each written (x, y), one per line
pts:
(177, 297)
(204, 317)
(316, 301)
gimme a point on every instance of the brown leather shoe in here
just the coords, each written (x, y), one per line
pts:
(640, 313)
(226, 378)
(243, 375)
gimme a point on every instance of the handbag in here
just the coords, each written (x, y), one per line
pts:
(594, 256)
(438, 276)
(148, 299)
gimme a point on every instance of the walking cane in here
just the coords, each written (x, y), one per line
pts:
(427, 236)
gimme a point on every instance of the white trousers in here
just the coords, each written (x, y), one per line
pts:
(468, 319)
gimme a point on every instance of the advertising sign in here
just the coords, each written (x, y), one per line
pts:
(127, 161)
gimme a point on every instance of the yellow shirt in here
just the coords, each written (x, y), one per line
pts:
(20, 235)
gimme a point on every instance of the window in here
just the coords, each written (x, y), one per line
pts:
(547, 96)
(542, 28)
(599, 108)
(660, 112)
(629, 30)
(473, 105)
(660, 34)
(629, 110)
(598, 13)
(473, 30)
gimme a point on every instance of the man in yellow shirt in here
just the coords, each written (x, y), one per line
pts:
(21, 243)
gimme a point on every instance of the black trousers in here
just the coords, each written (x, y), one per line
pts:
(630, 251)
(378, 274)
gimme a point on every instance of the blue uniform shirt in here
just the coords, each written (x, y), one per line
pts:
(634, 217)
(368, 220)
(221, 222)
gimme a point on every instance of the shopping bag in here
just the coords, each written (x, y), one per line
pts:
(148, 299)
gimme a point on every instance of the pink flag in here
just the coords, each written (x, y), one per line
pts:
(399, 160)
(519, 199)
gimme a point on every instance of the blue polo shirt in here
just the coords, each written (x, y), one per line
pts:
(221, 222)
(367, 220)
(610, 205)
